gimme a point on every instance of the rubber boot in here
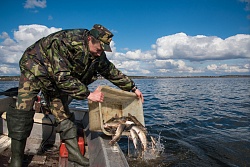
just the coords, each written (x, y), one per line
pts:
(68, 133)
(19, 123)
(74, 152)
(17, 150)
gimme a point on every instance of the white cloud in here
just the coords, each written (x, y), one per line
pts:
(177, 54)
(212, 67)
(130, 55)
(9, 70)
(131, 67)
(139, 55)
(8, 42)
(178, 66)
(4, 35)
(28, 34)
(11, 50)
(201, 48)
(35, 3)
(229, 68)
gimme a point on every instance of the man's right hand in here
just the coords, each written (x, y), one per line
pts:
(96, 96)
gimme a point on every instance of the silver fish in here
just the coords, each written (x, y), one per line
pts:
(118, 134)
(138, 123)
(141, 135)
(113, 123)
(134, 137)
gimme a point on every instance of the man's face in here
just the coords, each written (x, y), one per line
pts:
(95, 49)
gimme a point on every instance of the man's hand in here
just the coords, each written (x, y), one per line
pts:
(96, 96)
(139, 95)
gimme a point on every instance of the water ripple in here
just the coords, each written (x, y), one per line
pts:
(201, 121)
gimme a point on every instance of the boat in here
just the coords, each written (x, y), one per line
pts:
(43, 147)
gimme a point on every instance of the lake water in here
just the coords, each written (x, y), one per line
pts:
(199, 121)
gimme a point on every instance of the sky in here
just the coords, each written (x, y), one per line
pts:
(151, 38)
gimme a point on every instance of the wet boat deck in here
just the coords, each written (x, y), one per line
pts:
(31, 159)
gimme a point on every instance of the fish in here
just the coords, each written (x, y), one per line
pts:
(118, 134)
(142, 136)
(113, 123)
(138, 123)
(111, 127)
(134, 137)
(116, 125)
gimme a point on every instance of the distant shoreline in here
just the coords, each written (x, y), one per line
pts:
(16, 78)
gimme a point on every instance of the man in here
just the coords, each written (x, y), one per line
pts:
(61, 65)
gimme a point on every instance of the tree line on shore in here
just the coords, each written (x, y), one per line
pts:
(16, 78)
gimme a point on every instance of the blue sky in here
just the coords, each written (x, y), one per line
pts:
(152, 38)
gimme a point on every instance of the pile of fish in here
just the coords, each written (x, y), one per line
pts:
(117, 125)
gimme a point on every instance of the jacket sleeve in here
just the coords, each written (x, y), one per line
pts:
(62, 72)
(111, 73)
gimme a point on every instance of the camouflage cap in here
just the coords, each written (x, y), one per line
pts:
(103, 34)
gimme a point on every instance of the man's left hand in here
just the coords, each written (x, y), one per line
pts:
(139, 95)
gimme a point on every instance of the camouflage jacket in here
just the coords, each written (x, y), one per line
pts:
(69, 66)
